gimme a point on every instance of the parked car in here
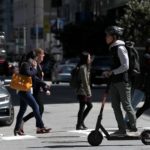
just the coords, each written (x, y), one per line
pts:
(6, 107)
(99, 65)
(63, 73)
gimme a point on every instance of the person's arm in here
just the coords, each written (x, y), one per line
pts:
(41, 83)
(124, 61)
(26, 69)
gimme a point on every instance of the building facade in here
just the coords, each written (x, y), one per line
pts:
(107, 5)
(35, 20)
(6, 18)
(28, 24)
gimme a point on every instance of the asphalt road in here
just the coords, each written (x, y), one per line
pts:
(61, 114)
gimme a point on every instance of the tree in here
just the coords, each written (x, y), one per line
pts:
(136, 21)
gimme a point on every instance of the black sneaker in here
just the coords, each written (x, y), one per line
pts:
(128, 126)
(119, 133)
(79, 127)
(83, 125)
(133, 129)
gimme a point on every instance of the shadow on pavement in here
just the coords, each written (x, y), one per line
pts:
(61, 146)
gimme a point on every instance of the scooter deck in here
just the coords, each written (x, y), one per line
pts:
(129, 136)
(123, 137)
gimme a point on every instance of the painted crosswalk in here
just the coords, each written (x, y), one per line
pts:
(82, 133)
(110, 131)
(11, 138)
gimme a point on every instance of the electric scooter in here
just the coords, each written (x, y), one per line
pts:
(95, 137)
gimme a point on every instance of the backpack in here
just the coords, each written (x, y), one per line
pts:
(134, 59)
(74, 81)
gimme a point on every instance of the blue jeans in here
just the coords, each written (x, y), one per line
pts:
(120, 93)
(137, 97)
(26, 98)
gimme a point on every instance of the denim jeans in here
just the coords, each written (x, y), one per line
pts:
(26, 98)
(120, 94)
(40, 104)
(137, 97)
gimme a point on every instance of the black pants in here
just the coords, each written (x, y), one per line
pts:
(83, 112)
(145, 106)
(40, 104)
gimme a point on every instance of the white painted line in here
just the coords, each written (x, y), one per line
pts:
(110, 131)
(81, 131)
(145, 128)
(24, 137)
(87, 132)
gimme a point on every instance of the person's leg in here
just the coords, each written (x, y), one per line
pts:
(81, 99)
(116, 105)
(41, 105)
(87, 110)
(125, 96)
(23, 107)
(33, 104)
(28, 116)
(41, 109)
(145, 106)
(38, 100)
(137, 97)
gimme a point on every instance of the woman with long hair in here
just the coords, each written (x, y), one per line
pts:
(38, 56)
(84, 90)
(29, 68)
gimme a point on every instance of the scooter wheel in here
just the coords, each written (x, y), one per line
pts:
(145, 137)
(95, 138)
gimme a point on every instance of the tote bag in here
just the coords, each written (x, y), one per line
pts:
(21, 82)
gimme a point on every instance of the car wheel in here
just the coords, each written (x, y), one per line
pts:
(11, 119)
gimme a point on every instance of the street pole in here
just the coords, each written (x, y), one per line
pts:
(24, 40)
(17, 40)
(36, 26)
(37, 36)
(49, 27)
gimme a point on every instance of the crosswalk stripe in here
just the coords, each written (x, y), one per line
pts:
(110, 130)
(24, 137)
(81, 131)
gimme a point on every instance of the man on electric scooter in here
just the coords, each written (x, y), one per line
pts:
(120, 87)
